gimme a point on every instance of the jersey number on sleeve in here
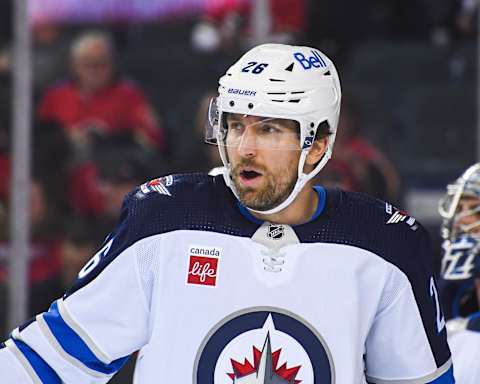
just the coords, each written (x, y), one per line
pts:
(93, 262)
(440, 317)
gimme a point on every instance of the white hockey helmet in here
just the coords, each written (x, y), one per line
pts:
(283, 82)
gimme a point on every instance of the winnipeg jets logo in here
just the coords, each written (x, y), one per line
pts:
(263, 345)
(264, 369)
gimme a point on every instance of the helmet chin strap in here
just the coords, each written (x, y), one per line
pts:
(301, 181)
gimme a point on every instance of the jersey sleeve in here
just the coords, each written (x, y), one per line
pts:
(88, 334)
(407, 340)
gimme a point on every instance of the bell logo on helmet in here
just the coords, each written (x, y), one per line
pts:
(315, 60)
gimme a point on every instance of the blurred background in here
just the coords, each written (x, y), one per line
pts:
(119, 91)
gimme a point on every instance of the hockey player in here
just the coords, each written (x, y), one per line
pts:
(256, 276)
(460, 274)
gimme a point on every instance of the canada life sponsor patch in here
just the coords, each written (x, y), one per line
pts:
(158, 185)
(203, 263)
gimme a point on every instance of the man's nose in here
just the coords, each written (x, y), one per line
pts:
(248, 143)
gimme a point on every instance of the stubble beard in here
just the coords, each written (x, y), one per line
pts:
(271, 194)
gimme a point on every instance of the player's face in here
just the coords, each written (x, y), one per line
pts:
(264, 155)
(467, 216)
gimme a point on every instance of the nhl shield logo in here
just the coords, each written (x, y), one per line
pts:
(275, 231)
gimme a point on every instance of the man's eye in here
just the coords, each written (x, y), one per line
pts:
(235, 126)
(268, 128)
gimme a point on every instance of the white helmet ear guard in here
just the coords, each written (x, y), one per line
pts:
(284, 82)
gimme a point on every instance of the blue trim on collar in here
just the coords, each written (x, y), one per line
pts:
(322, 199)
(247, 214)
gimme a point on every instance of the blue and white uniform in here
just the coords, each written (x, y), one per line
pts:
(464, 342)
(208, 294)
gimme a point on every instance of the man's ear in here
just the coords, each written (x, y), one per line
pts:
(316, 152)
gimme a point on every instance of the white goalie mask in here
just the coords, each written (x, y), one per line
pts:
(460, 265)
(466, 186)
(460, 210)
(274, 82)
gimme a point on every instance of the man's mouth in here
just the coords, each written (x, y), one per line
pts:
(249, 177)
(249, 174)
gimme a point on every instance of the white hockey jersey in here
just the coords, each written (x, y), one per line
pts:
(208, 294)
(464, 342)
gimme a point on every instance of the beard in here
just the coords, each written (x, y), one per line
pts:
(273, 192)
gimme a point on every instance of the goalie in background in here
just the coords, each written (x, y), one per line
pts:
(460, 274)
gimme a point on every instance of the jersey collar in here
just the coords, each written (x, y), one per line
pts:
(322, 198)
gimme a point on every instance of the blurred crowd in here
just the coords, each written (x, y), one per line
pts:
(98, 131)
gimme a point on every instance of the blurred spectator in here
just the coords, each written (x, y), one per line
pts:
(51, 165)
(47, 205)
(465, 19)
(52, 160)
(5, 99)
(229, 24)
(357, 164)
(45, 247)
(97, 100)
(50, 54)
(97, 187)
(120, 172)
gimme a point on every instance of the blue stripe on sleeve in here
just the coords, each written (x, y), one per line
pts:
(446, 378)
(75, 346)
(42, 369)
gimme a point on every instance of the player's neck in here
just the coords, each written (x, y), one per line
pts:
(300, 211)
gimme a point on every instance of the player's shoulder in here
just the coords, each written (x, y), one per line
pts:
(362, 221)
(371, 215)
(161, 206)
(191, 201)
(164, 204)
(175, 192)
(377, 214)
(389, 231)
